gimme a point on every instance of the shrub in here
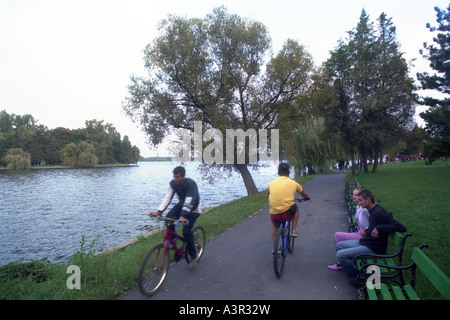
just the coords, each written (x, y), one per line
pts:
(35, 270)
(16, 159)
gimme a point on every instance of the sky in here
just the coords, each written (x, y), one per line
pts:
(66, 61)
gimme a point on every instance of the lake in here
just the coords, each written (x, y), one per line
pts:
(45, 213)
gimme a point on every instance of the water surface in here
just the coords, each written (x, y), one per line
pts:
(45, 213)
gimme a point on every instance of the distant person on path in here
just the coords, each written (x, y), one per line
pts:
(187, 210)
(374, 238)
(281, 193)
(362, 219)
(341, 166)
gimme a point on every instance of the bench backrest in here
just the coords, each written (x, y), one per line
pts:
(436, 276)
(397, 238)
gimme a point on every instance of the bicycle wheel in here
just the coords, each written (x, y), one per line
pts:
(200, 240)
(291, 239)
(279, 253)
(153, 270)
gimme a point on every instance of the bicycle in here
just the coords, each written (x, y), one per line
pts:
(283, 244)
(155, 266)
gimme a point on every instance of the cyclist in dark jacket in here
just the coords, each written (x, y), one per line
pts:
(187, 209)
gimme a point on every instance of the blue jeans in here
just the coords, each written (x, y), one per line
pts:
(345, 252)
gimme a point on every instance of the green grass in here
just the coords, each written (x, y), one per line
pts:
(106, 276)
(418, 196)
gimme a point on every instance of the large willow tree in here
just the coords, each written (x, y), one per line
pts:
(216, 70)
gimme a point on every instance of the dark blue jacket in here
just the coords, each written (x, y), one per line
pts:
(187, 194)
(384, 222)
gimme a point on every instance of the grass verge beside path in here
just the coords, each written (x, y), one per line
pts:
(106, 276)
(418, 196)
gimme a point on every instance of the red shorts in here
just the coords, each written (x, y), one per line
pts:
(282, 216)
(286, 216)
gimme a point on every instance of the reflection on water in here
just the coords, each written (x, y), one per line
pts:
(44, 213)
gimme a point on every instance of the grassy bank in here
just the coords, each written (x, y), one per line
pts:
(418, 197)
(106, 276)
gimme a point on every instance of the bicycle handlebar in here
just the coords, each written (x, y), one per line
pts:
(172, 221)
(302, 199)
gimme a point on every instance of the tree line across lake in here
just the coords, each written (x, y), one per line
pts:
(24, 142)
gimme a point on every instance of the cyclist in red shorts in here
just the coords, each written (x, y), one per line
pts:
(281, 192)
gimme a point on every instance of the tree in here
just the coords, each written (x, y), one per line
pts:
(97, 135)
(86, 155)
(16, 159)
(213, 70)
(437, 117)
(16, 131)
(69, 155)
(314, 145)
(136, 154)
(58, 139)
(375, 98)
(45, 145)
(126, 155)
(81, 155)
(394, 91)
(311, 138)
(339, 116)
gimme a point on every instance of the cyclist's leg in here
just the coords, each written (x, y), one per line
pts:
(174, 213)
(274, 218)
(294, 223)
(188, 235)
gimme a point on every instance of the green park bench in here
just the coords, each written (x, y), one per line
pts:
(397, 242)
(395, 291)
(361, 176)
(351, 206)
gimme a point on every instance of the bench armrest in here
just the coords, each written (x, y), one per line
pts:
(384, 256)
(364, 275)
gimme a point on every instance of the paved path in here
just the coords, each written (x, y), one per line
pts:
(237, 265)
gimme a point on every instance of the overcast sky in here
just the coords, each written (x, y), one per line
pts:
(68, 61)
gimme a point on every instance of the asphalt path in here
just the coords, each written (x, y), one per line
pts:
(237, 264)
